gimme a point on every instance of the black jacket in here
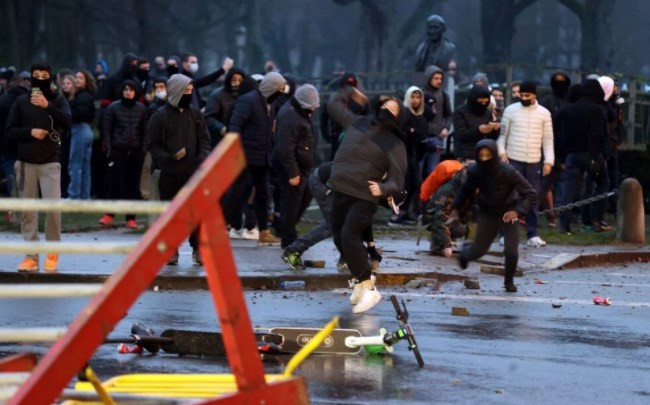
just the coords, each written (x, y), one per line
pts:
(125, 128)
(416, 129)
(586, 125)
(111, 90)
(467, 119)
(501, 188)
(155, 106)
(6, 101)
(24, 116)
(83, 107)
(294, 146)
(252, 119)
(169, 130)
(204, 81)
(369, 152)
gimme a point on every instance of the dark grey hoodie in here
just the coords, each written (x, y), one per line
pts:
(438, 100)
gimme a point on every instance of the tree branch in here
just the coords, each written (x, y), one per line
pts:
(575, 7)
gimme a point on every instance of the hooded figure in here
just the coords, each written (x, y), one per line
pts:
(504, 195)
(607, 83)
(218, 108)
(111, 90)
(472, 123)
(481, 79)
(437, 101)
(560, 86)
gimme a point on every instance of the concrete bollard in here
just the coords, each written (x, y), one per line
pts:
(630, 215)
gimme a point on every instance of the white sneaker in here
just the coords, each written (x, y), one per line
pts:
(369, 298)
(536, 241)
(235, 233)
(358, 289)
(502, 241)
(253, 234)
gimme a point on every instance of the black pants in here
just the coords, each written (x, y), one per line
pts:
(169, 184)
(124, 175)
(487, 228)
(294, 200)
(243, 208)
(260, 177)
(351, 221)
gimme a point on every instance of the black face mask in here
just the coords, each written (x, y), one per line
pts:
(274, 97)
(128, 102)
(172, 70)
(43, 84)
(185, 101)
(142, 75)
(478, 108)
(526, 103)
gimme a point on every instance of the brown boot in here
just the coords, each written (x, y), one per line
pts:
(267, 238)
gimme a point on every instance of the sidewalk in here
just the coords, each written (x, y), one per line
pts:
(262, 266)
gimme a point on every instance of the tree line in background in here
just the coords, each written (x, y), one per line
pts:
(315, 37)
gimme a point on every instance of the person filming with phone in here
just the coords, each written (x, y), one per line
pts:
(35, 125)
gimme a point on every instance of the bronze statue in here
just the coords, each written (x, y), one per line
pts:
(436, 49)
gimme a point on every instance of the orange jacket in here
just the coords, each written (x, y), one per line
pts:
(439, 176)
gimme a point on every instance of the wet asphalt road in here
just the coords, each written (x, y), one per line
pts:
(513, 348)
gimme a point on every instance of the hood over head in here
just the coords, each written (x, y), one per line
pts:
(349, 79)
(176, 86)
(307, 96)
(593, 90)
(126, 66)
(560, 88)
(407, 100)
(607, 83)
(491, 165)
(475, 93)
(235, 70)
(576, 92)
(430, 71)
(270, 84)
(386, 119)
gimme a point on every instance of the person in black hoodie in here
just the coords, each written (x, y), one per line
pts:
(504, 195)
(560, 87)
(178, 141)
(124, 140)
(221, 101)
(473, 123)
(83, 114)
(34, 128)
(7, 156)
(370, 163)
(584, 144)
(293, 158)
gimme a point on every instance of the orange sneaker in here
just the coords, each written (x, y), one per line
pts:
(28, 265)
(51, 262)
(106, 220)
(131, 224)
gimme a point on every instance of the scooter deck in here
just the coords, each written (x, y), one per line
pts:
(296, 338)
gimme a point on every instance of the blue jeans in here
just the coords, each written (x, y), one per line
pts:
(79, 166)
(532, 173)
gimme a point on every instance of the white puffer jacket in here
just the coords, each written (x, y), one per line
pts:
(524, 132)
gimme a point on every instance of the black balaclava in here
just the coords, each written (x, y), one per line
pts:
(228, 87)
(142, 75)
(185, 101)
(128, 68)
(129, 102)
(44, 85)
(172, 70)
(270, 99)
(560, 88)
(474, 94)
(492, 165)
(388, 121)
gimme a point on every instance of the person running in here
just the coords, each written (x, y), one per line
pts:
(503, 196)
(370, 163)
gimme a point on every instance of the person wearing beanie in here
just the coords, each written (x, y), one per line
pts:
(560, 85)
(503, 196)
(34, 128)
(370, 164)
(293, 159)
(350, 96)
(526, 130)
(124, 141)
(252, 118)
(178, 142)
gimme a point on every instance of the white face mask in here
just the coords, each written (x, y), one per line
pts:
(194, 67)
(161, 94)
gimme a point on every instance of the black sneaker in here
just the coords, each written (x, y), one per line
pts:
(196, 257)
(462, 262)
(173, 261)
(510, 286)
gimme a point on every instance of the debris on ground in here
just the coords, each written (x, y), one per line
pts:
(459, 311)
(602, 301)
(556, 305)
(472, 284)
(538, 281)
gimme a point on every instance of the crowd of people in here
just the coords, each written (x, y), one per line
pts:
(482, 161)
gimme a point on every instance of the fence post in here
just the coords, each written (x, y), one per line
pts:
(630, 216)
(631, 113)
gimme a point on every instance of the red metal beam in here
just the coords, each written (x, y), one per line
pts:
(17, 363)
(238, 337)
(134, 275)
